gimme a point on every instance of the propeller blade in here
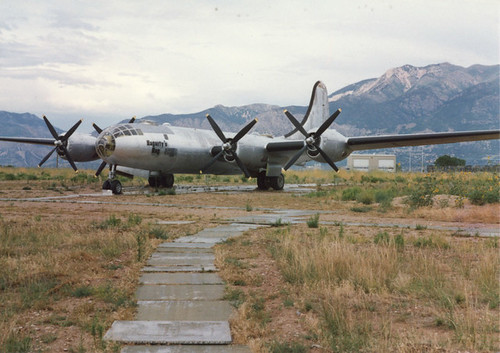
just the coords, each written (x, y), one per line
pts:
(327, 123)
(51, 128)
(208, 165)
(295, 157)
(68, 157)
(244, 131)
(216, 128)
(296, 123)
(47, 157)
(131, 120)
(327, 159)
(71, 131)
(99, 170)
(97, 128)
(241, 165)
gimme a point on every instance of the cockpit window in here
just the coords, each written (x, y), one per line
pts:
(125, 130)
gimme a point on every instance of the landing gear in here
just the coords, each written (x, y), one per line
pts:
(116, 187)
(264, 182)
(277, 183)
(112, 183)
(161, 181)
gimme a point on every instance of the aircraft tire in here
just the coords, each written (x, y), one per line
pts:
(169, 180)
(116, 187)
(262, 181)
(106, 185)
(153, 181)
(277, 183)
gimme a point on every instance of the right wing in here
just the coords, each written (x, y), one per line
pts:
(389, 141)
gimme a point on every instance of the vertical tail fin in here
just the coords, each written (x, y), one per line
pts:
(318, 110)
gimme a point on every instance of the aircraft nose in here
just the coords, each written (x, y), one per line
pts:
(105, 144)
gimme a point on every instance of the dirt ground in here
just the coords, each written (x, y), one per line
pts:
(54, 328)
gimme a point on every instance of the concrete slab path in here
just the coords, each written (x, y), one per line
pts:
(180, 304)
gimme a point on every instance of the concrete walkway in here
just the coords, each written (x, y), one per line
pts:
(180, 300)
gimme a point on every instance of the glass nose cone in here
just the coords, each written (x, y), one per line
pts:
(105, 145)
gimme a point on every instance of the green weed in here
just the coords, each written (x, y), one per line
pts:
(313, 221)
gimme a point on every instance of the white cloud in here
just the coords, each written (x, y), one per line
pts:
(114, 59)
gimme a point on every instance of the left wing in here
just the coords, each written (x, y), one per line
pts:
(388, 141)
(35, 141)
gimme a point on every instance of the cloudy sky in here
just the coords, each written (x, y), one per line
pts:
(105, 61)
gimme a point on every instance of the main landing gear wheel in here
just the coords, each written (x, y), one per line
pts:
(168, 181)
(277, 183)
(264, 182)
(116, 187)
(164, 181)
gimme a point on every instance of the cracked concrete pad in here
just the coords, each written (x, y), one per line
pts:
(180, 292)
(190, 259)
(170, 332)
(187, 349)
(180, 278)
(184, 249)
(183, 310)
(185, 268)
(180, 244)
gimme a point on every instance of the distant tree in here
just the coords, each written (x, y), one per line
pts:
(447, 161)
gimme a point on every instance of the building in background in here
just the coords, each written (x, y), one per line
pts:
(369, 162)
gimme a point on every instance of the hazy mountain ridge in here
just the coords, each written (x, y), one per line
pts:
(407, 99)
(410, 99)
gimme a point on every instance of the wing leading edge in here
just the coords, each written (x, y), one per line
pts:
(389, 141)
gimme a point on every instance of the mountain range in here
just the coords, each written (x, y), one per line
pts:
(407, 99)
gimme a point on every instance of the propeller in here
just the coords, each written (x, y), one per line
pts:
(229, 145)
(60, 142)
(103, 164)
(312, 140)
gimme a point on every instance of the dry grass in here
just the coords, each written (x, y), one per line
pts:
(422, 291)
(68, 270)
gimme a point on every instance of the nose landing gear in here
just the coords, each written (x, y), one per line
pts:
(112, 183)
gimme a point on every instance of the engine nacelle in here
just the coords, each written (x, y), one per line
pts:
(333, 144)
(81, 148)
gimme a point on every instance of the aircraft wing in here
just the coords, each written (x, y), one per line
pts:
(35, 141)
(389, 141)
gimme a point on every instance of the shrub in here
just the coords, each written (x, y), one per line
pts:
(365, 197)
(350, 194)
(382, 238)
(82, 291)
(384, 197)
(313, 221)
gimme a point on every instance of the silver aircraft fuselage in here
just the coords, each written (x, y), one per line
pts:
(172, 150)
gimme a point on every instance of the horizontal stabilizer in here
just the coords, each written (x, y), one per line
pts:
(389, 141)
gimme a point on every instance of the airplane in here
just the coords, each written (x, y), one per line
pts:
(160, 151)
